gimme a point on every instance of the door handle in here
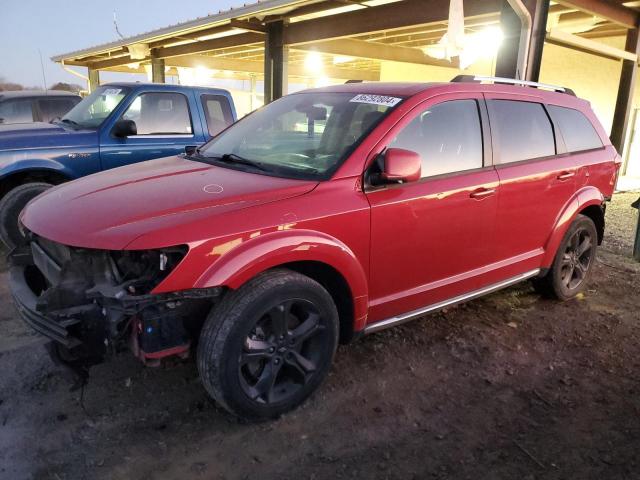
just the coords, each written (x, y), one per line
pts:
(565, 175)
(482, 193)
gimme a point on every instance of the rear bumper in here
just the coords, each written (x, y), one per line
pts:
(26, 302)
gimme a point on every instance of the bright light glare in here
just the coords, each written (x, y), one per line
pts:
(479, 45)
(313, 63)
(339, 59)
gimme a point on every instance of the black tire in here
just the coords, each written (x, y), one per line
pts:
(241, 343)
(10, 207)
(573, 263)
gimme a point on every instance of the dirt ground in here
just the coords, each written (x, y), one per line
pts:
(509, 386)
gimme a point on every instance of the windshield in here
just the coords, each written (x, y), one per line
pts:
(94, 109)
(304, 135)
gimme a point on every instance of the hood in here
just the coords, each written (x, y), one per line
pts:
(43, 135)
(109, 210)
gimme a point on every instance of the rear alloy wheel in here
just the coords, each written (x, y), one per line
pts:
(574, 261)
(10, 207)
(268, 345)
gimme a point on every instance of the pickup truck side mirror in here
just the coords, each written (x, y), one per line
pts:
(401, 166)
(124, 128)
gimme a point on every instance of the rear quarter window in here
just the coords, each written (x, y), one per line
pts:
(520, 130)
(577, 131)
(217, 113)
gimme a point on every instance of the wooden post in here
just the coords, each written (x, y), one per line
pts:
(536, 46)
(275, 62)
(157, 70)
(507, 59)
(94, 79)
(626, 88)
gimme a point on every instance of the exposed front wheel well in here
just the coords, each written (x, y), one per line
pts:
(338, 288)
(16, 179)
(596, 214)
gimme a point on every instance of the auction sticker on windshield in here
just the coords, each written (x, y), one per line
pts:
(376, 99)
(112, 91)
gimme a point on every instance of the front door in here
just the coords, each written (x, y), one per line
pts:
(164, 128)
(431, 239)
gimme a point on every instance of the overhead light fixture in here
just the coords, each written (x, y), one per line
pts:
(313, 63)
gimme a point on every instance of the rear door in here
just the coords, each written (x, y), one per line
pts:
(431, 239)
(164, 125)
(537, 179)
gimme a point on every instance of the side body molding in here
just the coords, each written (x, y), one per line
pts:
(582, 199)
(260, 253)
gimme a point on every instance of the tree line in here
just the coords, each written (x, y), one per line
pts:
(6, 86)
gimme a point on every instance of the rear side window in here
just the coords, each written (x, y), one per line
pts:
(447, 136)
(577, 130)
(217, 113)
(160, 114)
(520, 130)
(52, 108)
(16, 111)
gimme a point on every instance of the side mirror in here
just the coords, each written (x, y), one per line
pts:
(124, 128)
(401, 165)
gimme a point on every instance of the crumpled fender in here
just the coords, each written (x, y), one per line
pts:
(582, 199)
(263, 252)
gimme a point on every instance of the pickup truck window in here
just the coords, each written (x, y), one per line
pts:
(94, 109)
(304, 135)
(161, 113)
(16, 111)
(217, 112)
(52, 108)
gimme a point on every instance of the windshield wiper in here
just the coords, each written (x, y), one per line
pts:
(233, 158)
(70, 122)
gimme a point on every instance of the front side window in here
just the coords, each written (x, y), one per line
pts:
(94, 109)
(577, 130)
(304, 135)
(161, 113)
(447, 136)
(217, 113)
(16, 111)
(520, 130)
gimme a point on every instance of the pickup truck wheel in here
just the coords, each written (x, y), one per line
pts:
(10, 207)
(573, 263)
(268, 345)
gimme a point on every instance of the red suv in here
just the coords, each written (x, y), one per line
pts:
(325, 215)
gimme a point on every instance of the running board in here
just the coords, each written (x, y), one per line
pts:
(405, 317)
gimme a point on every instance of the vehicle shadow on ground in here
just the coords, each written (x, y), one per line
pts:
(510, 385)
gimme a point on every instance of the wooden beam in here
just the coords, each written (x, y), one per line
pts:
(390, 16)
(374, 51)
(207, 45)
(251, 66)
(626, 89)
(606, 9)
(248, 26)
(565, 39)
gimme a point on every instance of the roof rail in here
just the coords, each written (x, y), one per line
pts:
(511, 81)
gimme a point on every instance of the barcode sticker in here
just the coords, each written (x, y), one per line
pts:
(376, 99)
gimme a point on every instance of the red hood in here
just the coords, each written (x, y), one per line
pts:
(109, 210)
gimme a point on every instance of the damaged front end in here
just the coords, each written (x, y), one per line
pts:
(95, 303)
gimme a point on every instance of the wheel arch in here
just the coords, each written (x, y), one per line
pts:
(15, 178)
(314, 254)
(588, 201)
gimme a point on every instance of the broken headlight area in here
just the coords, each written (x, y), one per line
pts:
(95, 303)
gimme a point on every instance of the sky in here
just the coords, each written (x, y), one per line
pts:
(55, 27)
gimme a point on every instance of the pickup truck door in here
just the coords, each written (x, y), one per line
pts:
(166, 123)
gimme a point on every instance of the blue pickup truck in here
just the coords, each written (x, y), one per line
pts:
(118, 124)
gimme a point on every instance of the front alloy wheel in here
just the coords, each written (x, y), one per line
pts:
(268, 345)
